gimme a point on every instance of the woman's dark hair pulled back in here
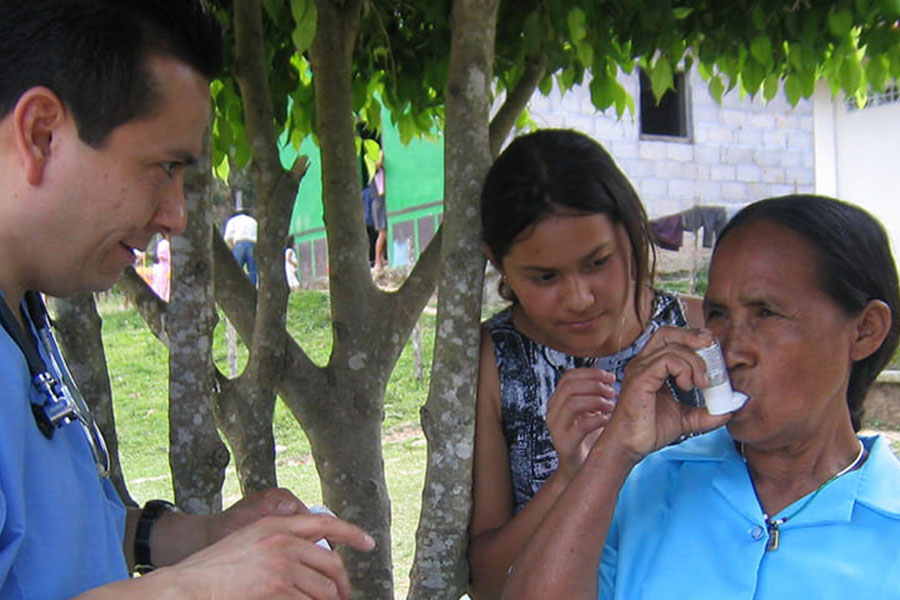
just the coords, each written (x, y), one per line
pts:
(854, 265)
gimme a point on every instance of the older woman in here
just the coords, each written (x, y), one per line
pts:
(785, 501)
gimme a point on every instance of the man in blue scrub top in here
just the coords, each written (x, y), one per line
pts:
(103, 104)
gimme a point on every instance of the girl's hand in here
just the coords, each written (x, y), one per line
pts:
(577, 412)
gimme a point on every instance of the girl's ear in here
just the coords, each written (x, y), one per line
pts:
(492, 260)
(871, 327)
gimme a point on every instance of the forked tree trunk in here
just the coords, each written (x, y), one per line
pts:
(440, 569)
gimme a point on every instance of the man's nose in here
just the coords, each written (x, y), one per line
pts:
(171, 215)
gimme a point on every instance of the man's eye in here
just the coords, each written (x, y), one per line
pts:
(169, 167)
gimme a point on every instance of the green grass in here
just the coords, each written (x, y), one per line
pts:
(138, 365)
(139, 369)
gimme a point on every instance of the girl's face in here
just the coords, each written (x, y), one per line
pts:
(572, 277)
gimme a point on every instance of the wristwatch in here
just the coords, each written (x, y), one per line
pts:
(143, 562)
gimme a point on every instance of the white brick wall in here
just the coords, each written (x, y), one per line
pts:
(738, 152)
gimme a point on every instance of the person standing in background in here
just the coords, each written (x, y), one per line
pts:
(240, 234)
(290, 268)
(379, 214)
(161, 272)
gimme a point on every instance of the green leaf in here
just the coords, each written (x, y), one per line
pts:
(676, 51)
(523, 120)
(890, 8)
(770, 87)
(894, 59)
(222, 134)
(576, 21)
(682, 12)
(661, 77)
(532, 34)
(752, 76)
(792, 89)
(622, 99)
(242, 152)
(761, 50)
(566, 79)
(305, 15)
(406, 127)
(222, 169)
(877, 72)
(546, 85)
(851, 75)
(585, 53)
(758, 15)
(603, 92)
(840, 20)
(716, 88)
(273, 7)
(704, 71)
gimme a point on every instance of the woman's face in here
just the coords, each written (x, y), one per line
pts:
(786, 342)
(572, 277)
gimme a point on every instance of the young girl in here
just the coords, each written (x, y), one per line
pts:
(570, 239)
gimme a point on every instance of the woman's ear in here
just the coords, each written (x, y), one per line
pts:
(36, 117)
(872, 325)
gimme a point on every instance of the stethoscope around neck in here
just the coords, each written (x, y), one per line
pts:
(61, 402)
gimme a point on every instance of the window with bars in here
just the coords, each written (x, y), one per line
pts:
(890, 95)
(669, 117)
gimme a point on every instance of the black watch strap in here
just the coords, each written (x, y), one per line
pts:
(143, 562)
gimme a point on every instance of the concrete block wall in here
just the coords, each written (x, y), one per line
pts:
(735, 153)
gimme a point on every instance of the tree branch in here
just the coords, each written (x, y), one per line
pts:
(516, 100)
(151, 308)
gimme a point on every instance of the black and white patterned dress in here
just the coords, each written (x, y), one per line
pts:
(529, 373)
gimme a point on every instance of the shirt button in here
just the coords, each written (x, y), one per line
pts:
(757, 532)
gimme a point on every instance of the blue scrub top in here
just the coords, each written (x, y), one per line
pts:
(689, 525)
(61, 525)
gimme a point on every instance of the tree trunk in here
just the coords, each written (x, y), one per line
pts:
(440, 569)
(340, 406)
(78, 328)
(196, 454)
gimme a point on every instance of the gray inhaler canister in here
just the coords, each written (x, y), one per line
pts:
(719, 398)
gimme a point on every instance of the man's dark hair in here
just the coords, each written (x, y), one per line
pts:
(94, 54)
(854, 265)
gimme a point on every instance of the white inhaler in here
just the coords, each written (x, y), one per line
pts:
(719, 397)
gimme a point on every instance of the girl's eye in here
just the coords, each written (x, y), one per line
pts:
(544, 278)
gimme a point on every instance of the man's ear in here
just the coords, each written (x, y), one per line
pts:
(872, 325)
(36, 117)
